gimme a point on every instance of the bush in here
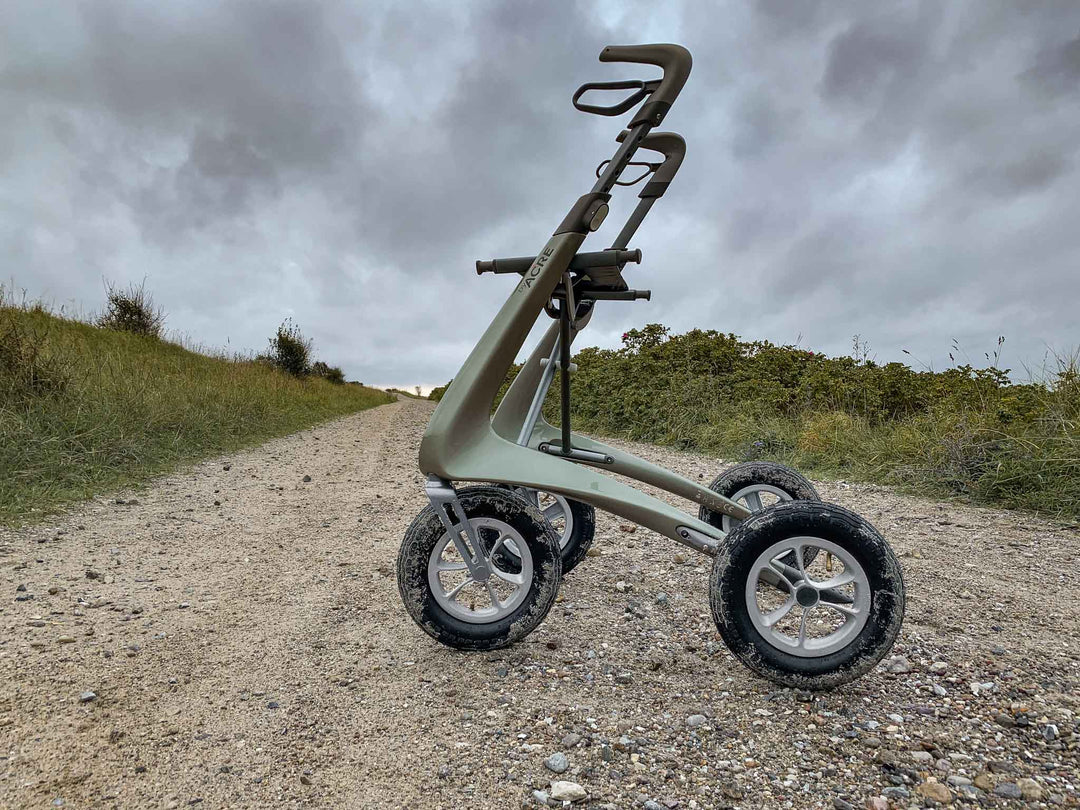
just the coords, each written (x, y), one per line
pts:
(289, 350)
(966, 431)
(132, 310)
(27, 366)
(330, 373)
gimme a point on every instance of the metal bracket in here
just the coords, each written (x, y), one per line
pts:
(697, 541)
(444, 499)
(575, 453)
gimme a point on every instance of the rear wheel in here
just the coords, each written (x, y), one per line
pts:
(813, 625)
(461, 611)
(574, 523)
(757, 485)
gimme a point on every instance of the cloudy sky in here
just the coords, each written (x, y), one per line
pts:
(902, 171)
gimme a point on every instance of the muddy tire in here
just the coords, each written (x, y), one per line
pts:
(757, 484)
(456, 610)
(816, 626)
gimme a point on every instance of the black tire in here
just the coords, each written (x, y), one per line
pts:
(576, 547)
(729, 482)
(734, 563)
(420, 541)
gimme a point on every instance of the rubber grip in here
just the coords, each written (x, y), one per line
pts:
(674, 59)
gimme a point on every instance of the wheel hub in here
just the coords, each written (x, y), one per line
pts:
(807, 596)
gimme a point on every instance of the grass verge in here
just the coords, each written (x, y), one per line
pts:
(86, 410)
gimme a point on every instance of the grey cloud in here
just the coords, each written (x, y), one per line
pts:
(904, 170)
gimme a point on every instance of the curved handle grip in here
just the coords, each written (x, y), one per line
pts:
(672, 147)
(676, 62)
(618, 108)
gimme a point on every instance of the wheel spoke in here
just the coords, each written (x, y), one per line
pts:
(506, 576)
(453, 592)
(494, 597)
(451, 566)
(843, 578)
(552, 511)
(844, 610)
(773, 616)
(802, 627)
(498, 544)
(753, 501)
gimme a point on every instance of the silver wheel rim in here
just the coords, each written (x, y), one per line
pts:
(461, 596)
(800, 625)
(554, 508)
(750, 497)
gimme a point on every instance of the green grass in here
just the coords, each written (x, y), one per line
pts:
(86, 410)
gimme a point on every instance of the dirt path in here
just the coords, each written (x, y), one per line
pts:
(240, 629)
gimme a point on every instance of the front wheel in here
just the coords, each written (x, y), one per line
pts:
(813, 625)
(454, 608)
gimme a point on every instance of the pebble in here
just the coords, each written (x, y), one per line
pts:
(935, 791)
(898, 664)
(540, 797)
(557, 763)
(1050, 732)
(307, 480)
(87, 696)
(1008, 790)
(66, 640)
(1030, 789)
(695, 720)
(919, 756)
(842, 804)
(567, 792)
(570, 740)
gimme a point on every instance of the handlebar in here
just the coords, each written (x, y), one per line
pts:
(643, 89)
(676, 63)
(672, 147)
(582, 261)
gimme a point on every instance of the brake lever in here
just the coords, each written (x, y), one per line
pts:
(644, 88)
(649, 169)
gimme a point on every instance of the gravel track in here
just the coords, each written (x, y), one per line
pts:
(240, 630)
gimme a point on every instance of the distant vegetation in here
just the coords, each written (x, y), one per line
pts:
(415, 393)
(88, 407)
(967, 431)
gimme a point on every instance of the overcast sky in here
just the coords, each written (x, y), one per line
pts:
(903, 171)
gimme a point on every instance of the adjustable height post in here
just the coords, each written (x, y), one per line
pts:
(564, 368)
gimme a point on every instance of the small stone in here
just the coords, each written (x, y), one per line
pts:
(66, 640)
(1050, 732)
(957, 781)
(679, 558)
(624, 678)
(842, 804)
(273, 704)
(607, 753)
(938, 667)
(1005, 720)
(306, 479)
(623, 587)
(695, 720)
(557, 763)
(567, 792)
(305, 779)
(940, 690)
(661, 598)
(984, 781)
(92, 574)
(896, 792)
(872, 742)
(878, 803)
(570, 740)
(898, 665)
(896, 718)
(1008, 790)
(226, 467)
(922, 756)
(540, 797)
(935, 791)
(1030, 789)
(444, 771)
(87, 696)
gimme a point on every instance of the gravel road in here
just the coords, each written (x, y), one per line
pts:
(231, 636)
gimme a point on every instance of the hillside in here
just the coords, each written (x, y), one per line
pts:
(86, 410)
